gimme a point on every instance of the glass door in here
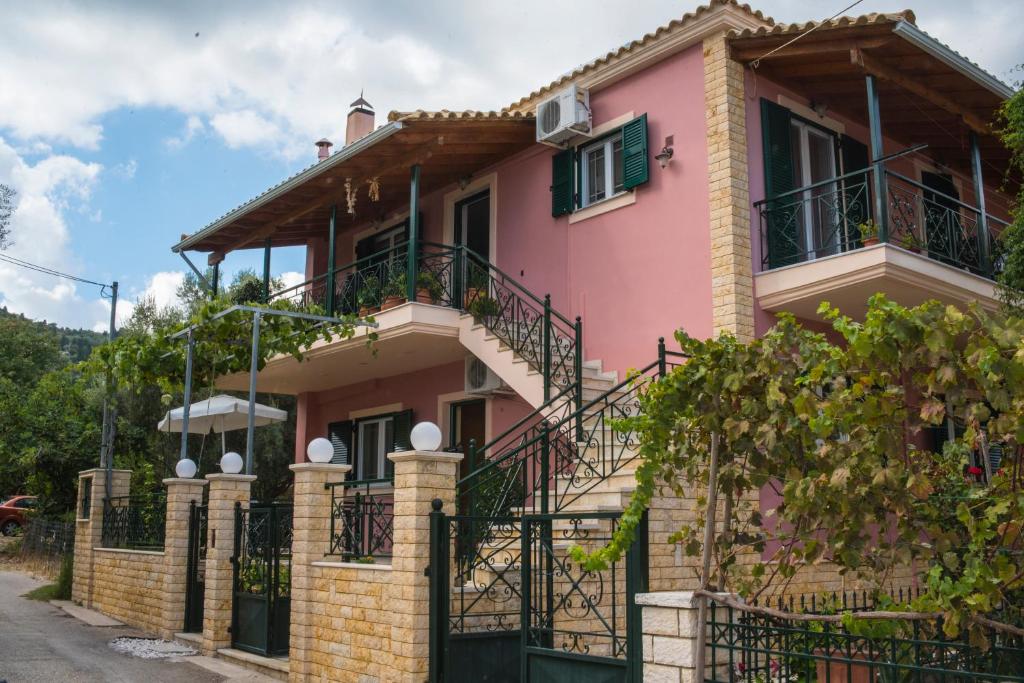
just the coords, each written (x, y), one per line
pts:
(814, 161)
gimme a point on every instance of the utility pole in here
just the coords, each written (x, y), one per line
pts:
(109, 412)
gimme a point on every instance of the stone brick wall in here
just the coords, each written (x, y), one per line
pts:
(350, 623)
(128, 585)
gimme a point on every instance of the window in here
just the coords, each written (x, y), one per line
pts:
(602, 169)
(814, 161)
(374, 440)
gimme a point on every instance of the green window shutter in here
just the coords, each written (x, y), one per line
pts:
(634, 153)
(782, 217)
(561, 183)
(401, 427)
(856, 189)
(340, 435)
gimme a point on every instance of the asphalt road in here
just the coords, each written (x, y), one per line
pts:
(39, 642)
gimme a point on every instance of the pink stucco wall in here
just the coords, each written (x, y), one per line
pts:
(416, 390)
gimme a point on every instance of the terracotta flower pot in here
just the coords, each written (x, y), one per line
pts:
(391, 302)
(869, 241)
(471, 295)
(364, 311)
(423, 296)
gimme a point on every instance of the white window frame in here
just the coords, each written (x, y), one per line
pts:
(804, 130)
(382, 446)
(608, 145)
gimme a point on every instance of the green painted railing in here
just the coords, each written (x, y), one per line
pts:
(835, 216)
(362, 519)
(751, 647)
(137, 522)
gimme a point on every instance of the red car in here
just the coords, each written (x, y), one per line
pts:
(12, 514)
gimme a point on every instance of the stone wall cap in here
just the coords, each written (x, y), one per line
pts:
(220, 476)
(128, 551)
(184, 482)
(320, 467)
(100, 470)
(331, 564)
(678, 599)
(426, 456)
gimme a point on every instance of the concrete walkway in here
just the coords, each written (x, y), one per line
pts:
(40, 642)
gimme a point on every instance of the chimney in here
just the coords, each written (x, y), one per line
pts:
(323, 148)
(360, 120)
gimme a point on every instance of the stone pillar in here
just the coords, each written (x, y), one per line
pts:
(89, 525)
(670, 628)
(732, 281)
(420, 477)
(311, 530)
(180, 495)
(225, 491)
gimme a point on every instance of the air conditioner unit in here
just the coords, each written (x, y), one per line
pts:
(480, 379)
(563, 116)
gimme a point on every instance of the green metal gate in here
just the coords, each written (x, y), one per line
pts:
(195, 569)
(510, 605)
(262, 578)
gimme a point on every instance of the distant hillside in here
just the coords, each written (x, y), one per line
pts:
(75, 345)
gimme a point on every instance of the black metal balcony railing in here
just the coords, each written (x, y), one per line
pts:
(837, 215)
(136, 522)
(456, 277)
(362, 519)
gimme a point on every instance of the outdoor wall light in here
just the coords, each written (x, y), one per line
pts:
(185, 469)
(425, 436)
(665, 155)
(320, 450)
(231, 463)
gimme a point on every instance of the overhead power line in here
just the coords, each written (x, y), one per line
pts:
(49, 271)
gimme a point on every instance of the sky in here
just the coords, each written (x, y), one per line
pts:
(124, 124)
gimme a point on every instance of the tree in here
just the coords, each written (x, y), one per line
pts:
(28, 350)
(834, 430)
(7, 195)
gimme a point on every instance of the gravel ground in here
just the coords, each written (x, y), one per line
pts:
(39, 642)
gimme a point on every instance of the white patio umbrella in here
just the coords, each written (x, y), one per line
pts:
(219, 414)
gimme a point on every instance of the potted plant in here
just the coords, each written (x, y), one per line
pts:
(395, 289)
(868, 233)
(909, 242)
(483, 306)
(368, 296)
(476, 283)
(429, 288)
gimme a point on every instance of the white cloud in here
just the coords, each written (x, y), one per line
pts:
(193, 127)
(245, 128)
(125, 170)
(292, 278)
(46, 190)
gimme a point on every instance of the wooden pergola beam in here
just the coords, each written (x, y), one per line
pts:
(805, 49)
(418, 156)
(881, 70)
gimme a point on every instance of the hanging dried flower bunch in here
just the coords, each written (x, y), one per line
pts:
(373, 191)
(350, 197)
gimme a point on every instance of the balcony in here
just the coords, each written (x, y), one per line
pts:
(830, 241)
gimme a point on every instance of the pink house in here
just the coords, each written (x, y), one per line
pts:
(519, 263)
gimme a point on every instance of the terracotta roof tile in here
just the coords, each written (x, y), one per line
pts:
(445, 114)
(838, 22)
(634, 45)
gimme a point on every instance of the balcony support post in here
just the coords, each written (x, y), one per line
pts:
(266, 270)
(984, 237)
(414, 231)
(329, 295)
(214, 286)
(881, 199)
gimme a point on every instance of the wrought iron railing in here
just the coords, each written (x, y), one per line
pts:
(747, 646)
(558, 453)
(136, 522)
(362, 519)
(456, 277)
(837, 215)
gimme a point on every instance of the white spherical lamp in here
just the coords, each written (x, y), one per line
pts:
(425, 436)
(231, 463)
(185, 469)
(320, 450)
